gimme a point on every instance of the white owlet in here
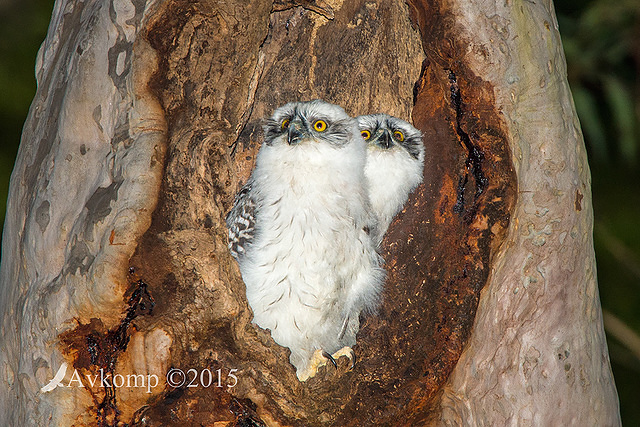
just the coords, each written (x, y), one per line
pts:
(302, 232)
(394, 168)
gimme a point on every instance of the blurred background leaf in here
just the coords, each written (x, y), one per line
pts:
(592, 126)
(602, 45)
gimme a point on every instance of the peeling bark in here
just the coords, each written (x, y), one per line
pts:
(147, 121)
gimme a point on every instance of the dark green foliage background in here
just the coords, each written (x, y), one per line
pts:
(602, 44)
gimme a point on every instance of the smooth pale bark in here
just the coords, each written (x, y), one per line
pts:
(145, 123)
(537, 355)
(82, 192)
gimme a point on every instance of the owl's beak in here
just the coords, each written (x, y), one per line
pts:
(295, 135)
(385, 140)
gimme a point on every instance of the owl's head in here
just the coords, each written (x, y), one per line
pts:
(317, 121)
(385, 132)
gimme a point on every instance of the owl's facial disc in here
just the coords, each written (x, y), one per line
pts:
(299, 129)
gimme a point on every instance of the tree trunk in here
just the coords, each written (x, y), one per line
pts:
(146, 122)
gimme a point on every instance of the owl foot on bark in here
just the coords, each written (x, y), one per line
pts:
(321, 358)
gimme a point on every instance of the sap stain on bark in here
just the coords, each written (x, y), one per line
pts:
(95, 350)
(474, 158)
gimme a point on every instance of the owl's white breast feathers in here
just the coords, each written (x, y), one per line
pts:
(392, 174)
(310, 250)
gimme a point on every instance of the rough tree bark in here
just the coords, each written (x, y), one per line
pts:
(147, 121)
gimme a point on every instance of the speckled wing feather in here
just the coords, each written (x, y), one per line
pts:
(241, 221)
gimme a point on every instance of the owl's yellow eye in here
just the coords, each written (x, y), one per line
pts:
(285, 124)
(365, 134)
(320, 125)
(398, 135)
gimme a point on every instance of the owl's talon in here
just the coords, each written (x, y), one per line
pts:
(353, 358)
(348, 352)
(331, 359)
(318, 359)
(321, 357)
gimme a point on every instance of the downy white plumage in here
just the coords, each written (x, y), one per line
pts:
(394, 165)
(302, 230)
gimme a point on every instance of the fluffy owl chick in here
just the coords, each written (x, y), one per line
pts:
(301, 230)
(395, 158)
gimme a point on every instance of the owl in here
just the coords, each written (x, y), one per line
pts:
(394, 166)
(302, 231)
